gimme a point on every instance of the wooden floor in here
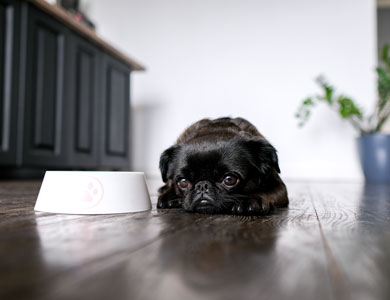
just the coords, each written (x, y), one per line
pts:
(333, 242)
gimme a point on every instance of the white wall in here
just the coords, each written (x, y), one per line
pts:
(249, 58)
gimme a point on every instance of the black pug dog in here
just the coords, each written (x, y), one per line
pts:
(222, 166)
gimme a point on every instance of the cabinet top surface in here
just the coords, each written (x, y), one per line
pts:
(66, 18)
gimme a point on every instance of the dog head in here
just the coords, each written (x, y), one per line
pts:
(210, 177)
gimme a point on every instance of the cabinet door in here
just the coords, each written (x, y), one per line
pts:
(82, 98)
(44, 105)
(115, 110)
(9, 45)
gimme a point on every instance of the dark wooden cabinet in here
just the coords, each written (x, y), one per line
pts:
(65, 101)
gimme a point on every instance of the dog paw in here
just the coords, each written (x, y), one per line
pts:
(251, 207)
(238, 209)
(174, 203)
(258, 207)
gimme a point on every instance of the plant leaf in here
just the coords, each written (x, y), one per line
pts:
(348, 108)
(308, 102)
(328, 89)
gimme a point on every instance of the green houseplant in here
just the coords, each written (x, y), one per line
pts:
(374, 147)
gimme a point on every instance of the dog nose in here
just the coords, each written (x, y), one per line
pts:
(202, 186)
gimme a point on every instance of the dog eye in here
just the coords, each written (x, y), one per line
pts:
(230, 180)
(183, 183)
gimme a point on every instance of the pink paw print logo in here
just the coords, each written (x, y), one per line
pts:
(91, 192)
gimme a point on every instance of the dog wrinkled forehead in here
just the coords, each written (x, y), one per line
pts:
(201, 162)
(203, 165)
(206, 158)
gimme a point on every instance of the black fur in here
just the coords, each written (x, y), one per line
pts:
(205, 154)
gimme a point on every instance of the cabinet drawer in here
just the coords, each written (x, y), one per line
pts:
(83, 102)
(115, 113)
(44, 128)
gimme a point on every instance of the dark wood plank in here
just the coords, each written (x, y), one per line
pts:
(221, 257)
(355, 225)
(234, 254)
(331, 243)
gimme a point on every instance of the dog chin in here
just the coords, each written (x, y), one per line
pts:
(205, 209)
(203, 205)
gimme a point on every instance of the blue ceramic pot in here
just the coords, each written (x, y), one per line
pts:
(374, 152)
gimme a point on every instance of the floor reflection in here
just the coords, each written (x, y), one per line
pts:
(374, 207)
(72, 240)
(22, 265)
(215, 255)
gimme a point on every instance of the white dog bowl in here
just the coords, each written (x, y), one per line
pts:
(89, 192)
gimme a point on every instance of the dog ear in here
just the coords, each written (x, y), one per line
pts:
(264, 155)
(166, 159)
